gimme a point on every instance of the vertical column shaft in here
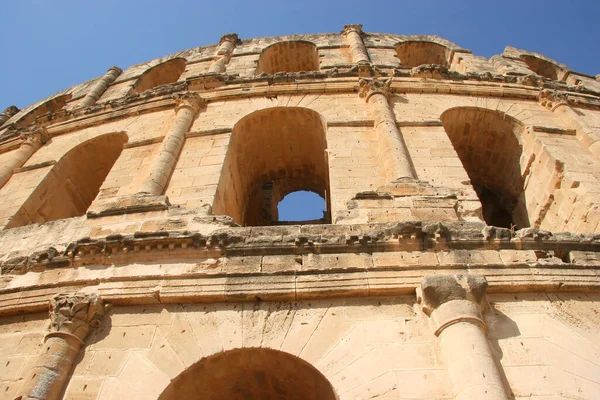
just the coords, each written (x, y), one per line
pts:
(226, 47)
(100, 87)
(7, 114)
(170, 148)
(454, 303)
(391, 144)
(72, 317)
(358, 51)
(30, 145)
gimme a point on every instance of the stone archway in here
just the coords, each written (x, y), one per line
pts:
(72, 184)
(289, 56)
(487, 143)
(250, 374)
(272, 152)
(413, 53)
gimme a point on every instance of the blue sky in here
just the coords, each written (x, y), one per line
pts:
(48, 46)
(51, 45)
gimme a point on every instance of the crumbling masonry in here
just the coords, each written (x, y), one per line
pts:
(143, 255)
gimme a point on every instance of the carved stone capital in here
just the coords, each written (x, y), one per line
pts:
(553, 98)
(439, 289)
(118, 70)
(38, 136)
(369, 87)
(190, 100)
(352, 28)
(10, 111)
(452, 299)
(74, 314)
(230, 37)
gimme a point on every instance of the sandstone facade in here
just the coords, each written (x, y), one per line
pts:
(458, 257)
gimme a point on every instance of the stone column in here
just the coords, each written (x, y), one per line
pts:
(559, 103)
(358, 51)
(226, 47)
(392, 148)
(100, 87)
(72, 316)
(7, 114)
(188, 105)
(31, 143)
(454, 303)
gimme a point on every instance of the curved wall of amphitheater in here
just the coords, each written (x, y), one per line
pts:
(458, 256)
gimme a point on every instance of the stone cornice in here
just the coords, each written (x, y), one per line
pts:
(165, 97)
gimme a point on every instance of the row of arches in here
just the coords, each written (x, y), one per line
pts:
(281, 151)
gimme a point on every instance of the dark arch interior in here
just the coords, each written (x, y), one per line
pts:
(161, 74)
(414, 53)
(289, 56)
(271, 153)
(250, 374)
(487, 145)
(73, 182)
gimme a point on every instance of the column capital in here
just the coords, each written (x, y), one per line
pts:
(118, 70)
(598, 77)
(551, 99)
(439, 289)
(10, 111)
(367, 87)
(37, 136)
(450, 299)
(352, 28)
(190, 100)
(72, 314)
(230, 37)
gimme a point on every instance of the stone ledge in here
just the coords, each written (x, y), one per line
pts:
(129, 205)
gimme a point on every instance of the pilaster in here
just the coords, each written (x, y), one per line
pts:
(392, 148)
(455, 304)
(224, 51)
(72, 316)
(100, 87)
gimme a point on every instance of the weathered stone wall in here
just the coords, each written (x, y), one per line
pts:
(458, 256)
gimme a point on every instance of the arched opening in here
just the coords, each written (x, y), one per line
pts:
(303, 206)
(73, 182)
(541, 67)
(49, 107)
(161, 74)
(290, 56)
(487, 143)
(250, 374)
(272, 153)
(413, 53)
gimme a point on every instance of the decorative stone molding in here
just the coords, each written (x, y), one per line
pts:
(7, 114)
(100, 86)
(553, 98)
(370, 86)
(455, 303)
(438, 290)
(230, 37)
(352, 28)
(72, 316)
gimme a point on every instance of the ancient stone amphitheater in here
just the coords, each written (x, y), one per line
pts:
(143, 256)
